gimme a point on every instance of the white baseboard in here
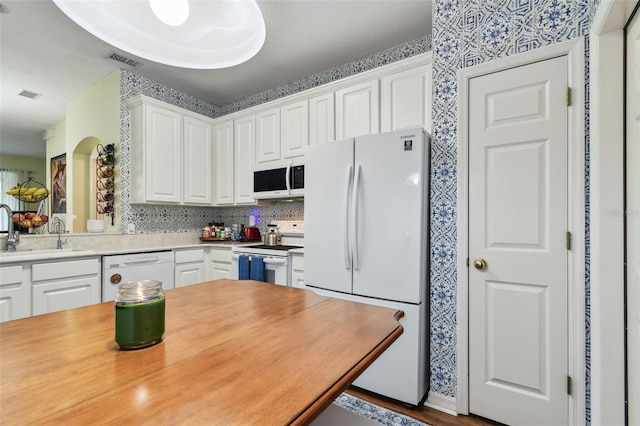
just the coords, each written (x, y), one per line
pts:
(442, 403)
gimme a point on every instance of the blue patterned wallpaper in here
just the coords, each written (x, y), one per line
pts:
(165, 219)
(467, 33)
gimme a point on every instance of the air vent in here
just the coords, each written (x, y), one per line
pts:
(124, 60)
(30, 95)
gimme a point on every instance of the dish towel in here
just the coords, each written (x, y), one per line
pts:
(243, 267)
(257, 269)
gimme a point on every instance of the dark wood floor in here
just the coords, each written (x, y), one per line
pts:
(425, 414)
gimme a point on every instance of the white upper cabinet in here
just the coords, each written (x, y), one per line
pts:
(171, 152)
(223, 163)
(267, 135)
(197, 150)
(156, 155)
(244, 142)
(358, 110)
(294, 129)
(322, 120)
(405, 99)
(281, 133)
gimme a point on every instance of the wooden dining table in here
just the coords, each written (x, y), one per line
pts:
(233, 353)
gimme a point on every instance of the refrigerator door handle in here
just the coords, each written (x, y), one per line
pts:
(347, 191)
(354, 220)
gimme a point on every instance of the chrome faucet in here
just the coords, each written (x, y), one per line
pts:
(13, 238)
(58, 228)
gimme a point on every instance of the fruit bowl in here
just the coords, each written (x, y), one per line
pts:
(30, 195)
(22, 222)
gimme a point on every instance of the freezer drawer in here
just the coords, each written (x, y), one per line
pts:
(401, 372)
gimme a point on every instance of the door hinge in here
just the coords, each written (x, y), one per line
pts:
(568, 385)
(568, 96)
(568, 238)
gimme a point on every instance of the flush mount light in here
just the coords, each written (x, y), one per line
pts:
(198, 34)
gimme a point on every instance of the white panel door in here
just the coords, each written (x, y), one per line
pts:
(294, 129)
(268, 136)
(197, 149)
(244, 141)
(405, 99)
(328, 178)
(163, 155)
(518, 213)
(322, 120)
(633, 218)
(389, 192)
(223, 163)
(358, 110)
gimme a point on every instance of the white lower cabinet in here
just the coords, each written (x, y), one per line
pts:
(15, 293)
(219, 263)
(57, 286)
(297, 270)
(189, 267)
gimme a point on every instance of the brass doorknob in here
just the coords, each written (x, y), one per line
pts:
(480, 264)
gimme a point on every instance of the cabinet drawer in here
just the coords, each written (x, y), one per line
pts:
(221, 255)
(56, 270)
(184, 256)
(297, 263)
(11, 275)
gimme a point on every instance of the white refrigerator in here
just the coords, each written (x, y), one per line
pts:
(366, 214)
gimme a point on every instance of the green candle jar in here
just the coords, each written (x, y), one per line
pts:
(139, 314)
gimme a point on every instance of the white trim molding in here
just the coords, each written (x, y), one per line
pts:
(606, 85)
(574, 51)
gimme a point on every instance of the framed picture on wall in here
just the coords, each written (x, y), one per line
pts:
(59, 184)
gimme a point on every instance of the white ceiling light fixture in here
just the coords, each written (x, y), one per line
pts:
(197, 34)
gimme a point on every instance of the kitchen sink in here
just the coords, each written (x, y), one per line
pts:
(44, 253)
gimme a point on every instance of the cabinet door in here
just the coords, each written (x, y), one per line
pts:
(197, 148)
(268, 135)
(15, 294)
(60, 295)
(244, 134)
(223, 160)
(220, 270)
(322, 120)
(220, 263)
(163, 155)
(294, 129)
(57, 286)
(406, 99)
(358, 110)
(189, 274)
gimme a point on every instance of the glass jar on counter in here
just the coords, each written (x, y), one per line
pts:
(139, 314)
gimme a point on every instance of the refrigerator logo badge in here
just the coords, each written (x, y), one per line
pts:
(408, 145)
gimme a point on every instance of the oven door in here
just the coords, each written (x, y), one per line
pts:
(277, 268)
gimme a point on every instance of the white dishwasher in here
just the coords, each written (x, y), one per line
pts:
(121, 268)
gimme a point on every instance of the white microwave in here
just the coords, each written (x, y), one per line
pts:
(281, 182)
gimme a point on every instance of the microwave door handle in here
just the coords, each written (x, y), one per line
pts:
(287, 177)
(347, 191)
(354, 218)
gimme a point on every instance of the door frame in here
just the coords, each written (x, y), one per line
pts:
(574, 50)
(606, 41)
